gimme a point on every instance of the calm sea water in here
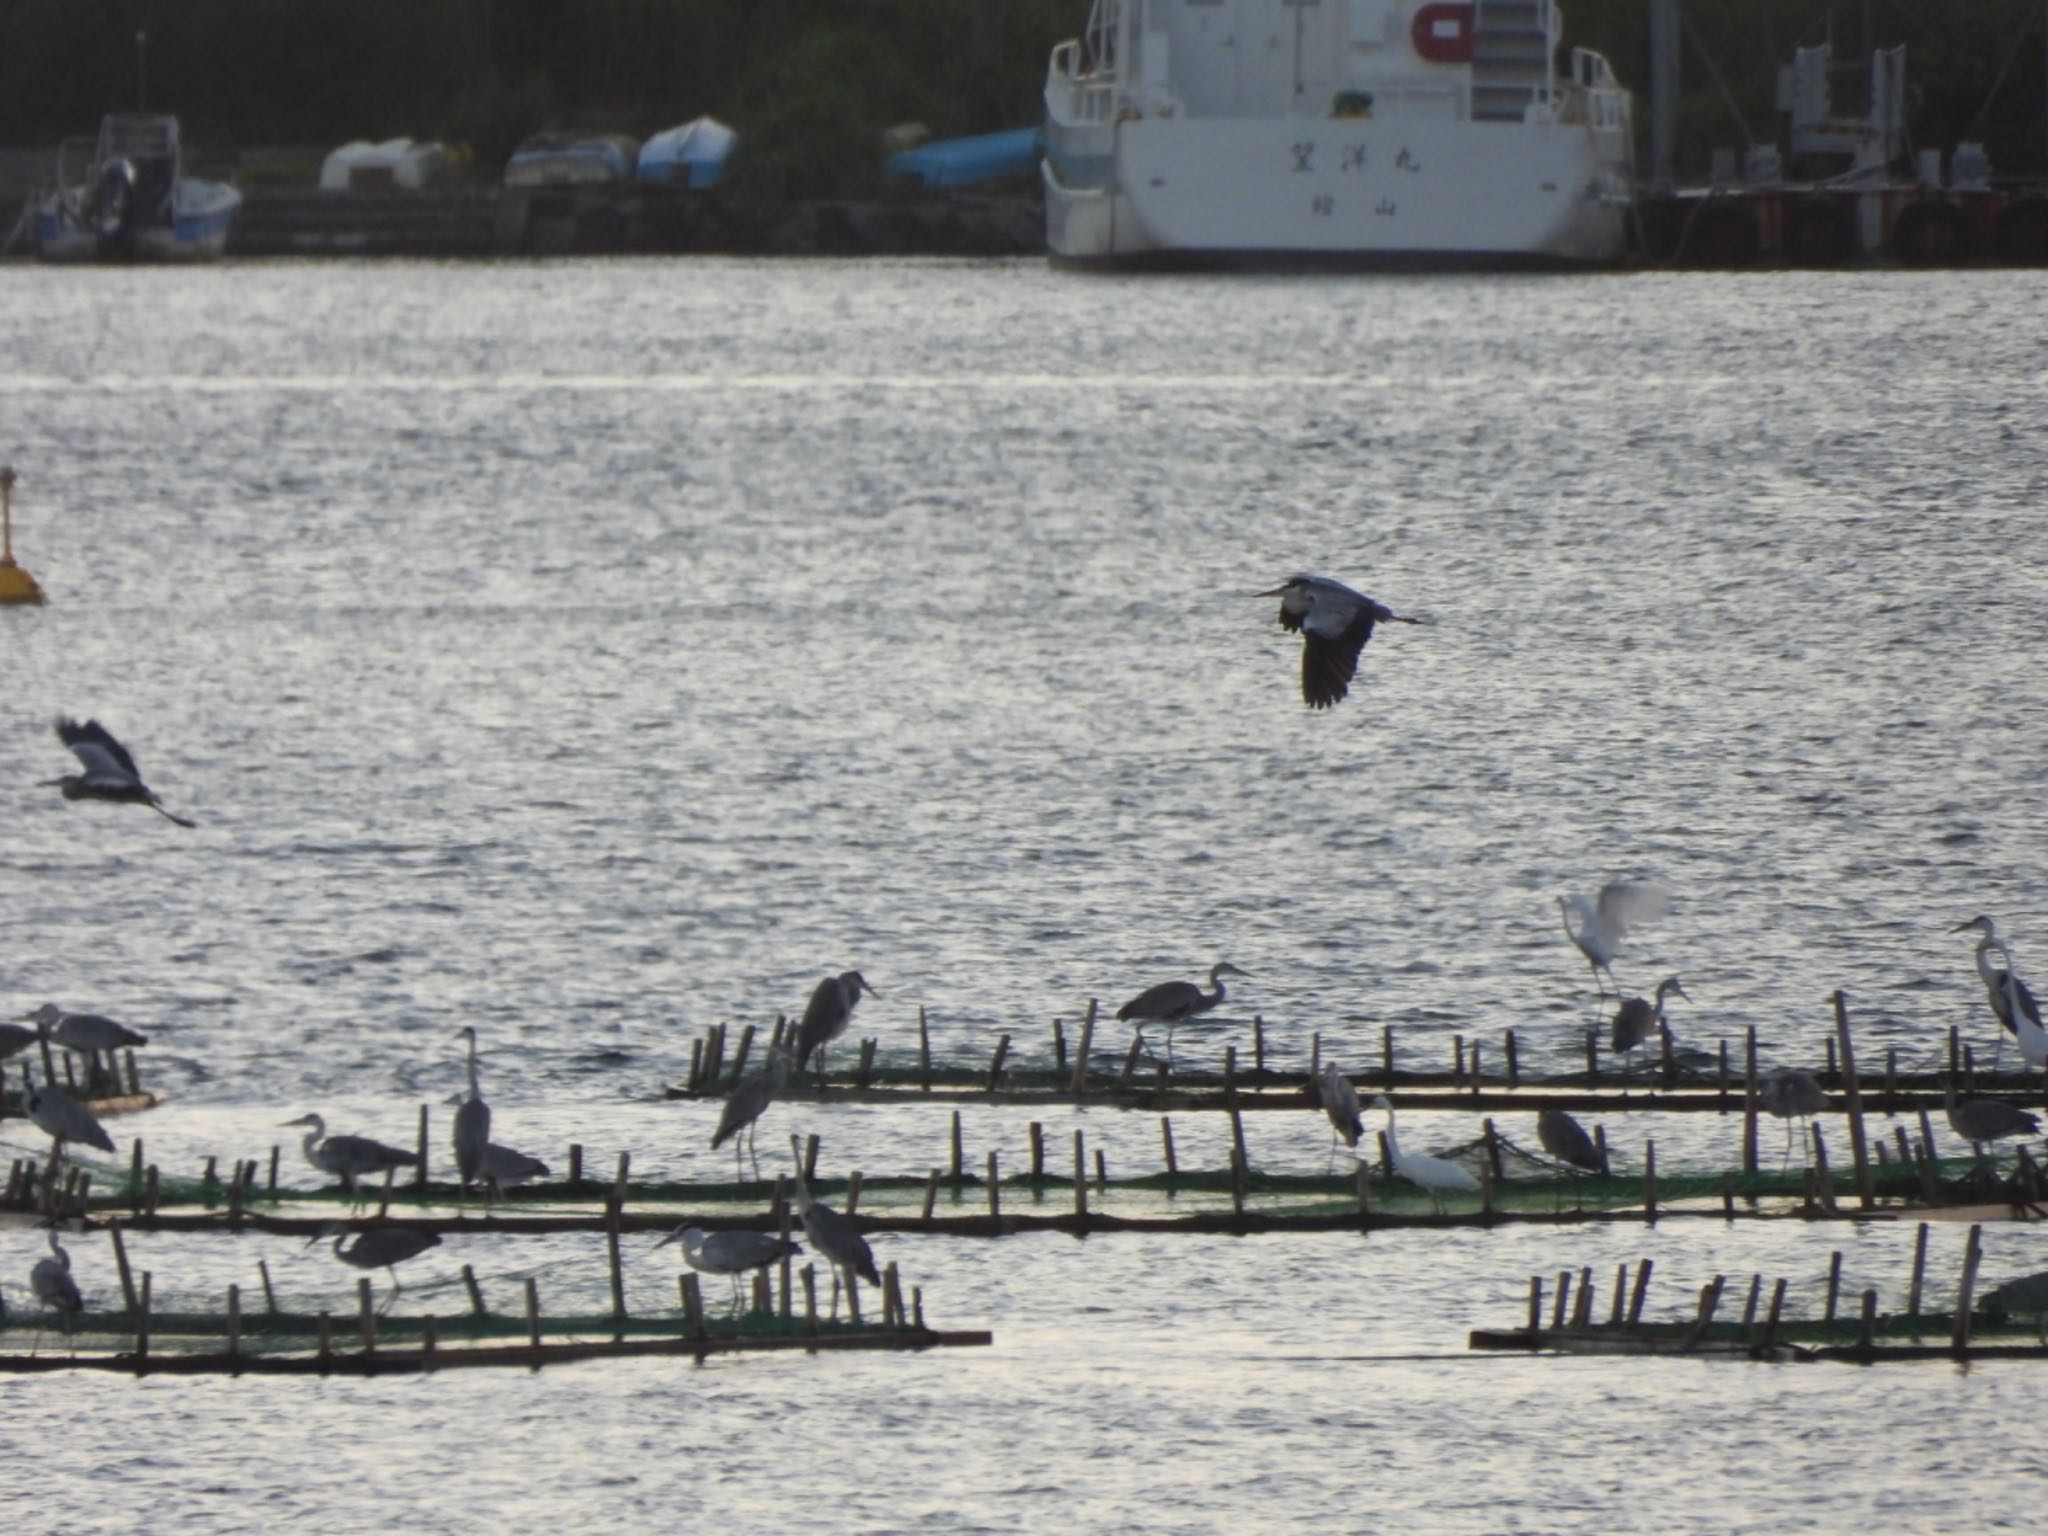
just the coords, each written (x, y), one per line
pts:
(593, 652)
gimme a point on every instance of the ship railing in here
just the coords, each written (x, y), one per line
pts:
(1081, 97)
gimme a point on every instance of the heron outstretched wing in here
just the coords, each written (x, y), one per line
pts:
(105, 760)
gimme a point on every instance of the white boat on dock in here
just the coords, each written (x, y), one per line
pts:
(125, 197)
(1359, 133)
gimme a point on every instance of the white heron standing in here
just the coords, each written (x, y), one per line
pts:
(1437, 1175)
(1599, 925)
(110, 773)
(1334, 623)
(472, 1120)
(1173, 1001)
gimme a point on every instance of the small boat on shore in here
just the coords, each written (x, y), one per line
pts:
(125, 197)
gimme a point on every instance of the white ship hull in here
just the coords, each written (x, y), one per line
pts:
(125, 197)
(1224, 192)
(1417, 133)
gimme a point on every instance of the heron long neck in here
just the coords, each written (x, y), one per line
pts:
(1988, 973)
(1216, 981)
(313, 1139)
(474, 1091)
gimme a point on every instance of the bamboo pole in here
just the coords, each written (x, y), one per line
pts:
(1852, 1088)
(1919, 1272)
(995, 1067)
(1749, 1101)
(121, 1265)
(958, 1172)
(924, 1050)
(995, 1189)
(1080, 1079)
(1959, 1335)
(366, 1314)
(1080, 1178)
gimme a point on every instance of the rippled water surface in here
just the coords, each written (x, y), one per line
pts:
(593, 652)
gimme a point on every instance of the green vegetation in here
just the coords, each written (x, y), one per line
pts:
(811, 83)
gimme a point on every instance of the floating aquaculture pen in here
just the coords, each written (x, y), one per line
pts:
(2012, 1323)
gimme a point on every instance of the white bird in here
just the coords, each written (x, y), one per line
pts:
(472, 1120)
(348, 1158)
(1604, 921)
(62, 1117)
(1340, 1103)
(53, 1286)
(2024, 1012)
(1172, 1001)
(1435, 1174)
(1334, 623)
(828, 1013)
(729, 1253)
(110, 773)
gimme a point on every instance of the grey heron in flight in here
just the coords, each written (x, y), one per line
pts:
(1637, 1020)
(110, 773)
(61, 1116)
(1172, 1001)
(1334, 623)
(382, 1248)
(828, 1013)
(1981, 1121)
(1788, 1094)
(53, 1285)
(348, 1158)
(1604, 921)
(745, 1105)
(1340, 1103)
(1566, 1140)
(472, 1120)
(1434, 1174)
(730, 1253)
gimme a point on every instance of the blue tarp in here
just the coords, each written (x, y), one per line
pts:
(961, 162)
(692, 155)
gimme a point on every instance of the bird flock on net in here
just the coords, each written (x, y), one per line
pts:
(1334, 622)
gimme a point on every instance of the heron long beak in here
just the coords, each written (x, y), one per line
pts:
(1272, 592)
(673, 1237)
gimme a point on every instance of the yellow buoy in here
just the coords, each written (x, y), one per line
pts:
(16, 585)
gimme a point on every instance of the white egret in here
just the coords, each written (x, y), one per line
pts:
(1598, 926)
(1435, 1174)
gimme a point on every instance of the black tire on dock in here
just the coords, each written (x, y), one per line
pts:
(1929, 232)
(2020, 238)
(1819, 231)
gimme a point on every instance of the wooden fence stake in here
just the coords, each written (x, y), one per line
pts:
(1852, 1088)
(1959, 1335)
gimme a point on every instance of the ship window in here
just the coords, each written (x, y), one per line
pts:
(1371, 22)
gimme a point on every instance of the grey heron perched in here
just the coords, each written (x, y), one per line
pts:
(2010, 998)
(745, 1105)
(502, 1167)
(1982, 1121)
(1340, 1103)
(1566, 1140)
(53, 1285)
(110, 773)
(382, 1248)
(1434, 1174)
(1334, 623)
(14, 1039)
(472, 1120)
(1788, 1094)
(61, 1116)
(1638, 1020)
(1604, 921)
(83, 1032)
(348, 1158)
(2026, 1026)
(1173, 1001)
(828, 1013)
(731, 1254)
(831, 1233)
